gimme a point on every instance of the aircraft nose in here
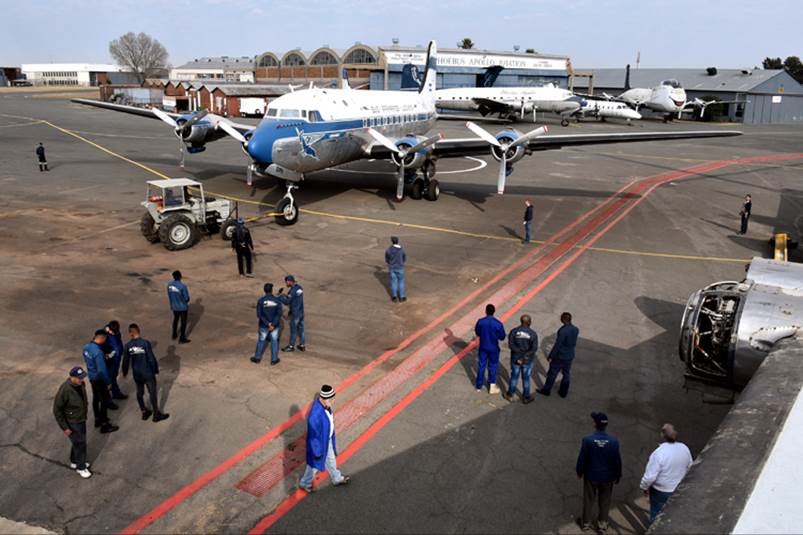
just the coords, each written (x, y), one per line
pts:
(260, 146)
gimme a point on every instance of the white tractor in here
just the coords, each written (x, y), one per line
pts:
(177, 212)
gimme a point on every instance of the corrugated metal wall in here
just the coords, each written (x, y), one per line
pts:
(785, 109)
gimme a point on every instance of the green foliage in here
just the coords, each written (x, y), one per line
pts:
(792, 65)
(530, 51)
(772, 63)
(466, 43)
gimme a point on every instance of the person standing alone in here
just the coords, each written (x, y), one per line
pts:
(179, 297)
(144, 368)
(321, 444)
(40, 154)
(528, 221)
(747, 207)
(70, 409)
(243, 245)
(490, 331)
(395, 258)
(561, 357)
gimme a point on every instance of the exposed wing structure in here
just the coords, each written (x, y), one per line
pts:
(488, 105)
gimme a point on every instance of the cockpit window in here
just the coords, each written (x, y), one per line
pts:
(671, 83)
(289, 113)
(314, 116)
(271, 112)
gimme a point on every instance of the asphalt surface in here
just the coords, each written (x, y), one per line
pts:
(426, 452)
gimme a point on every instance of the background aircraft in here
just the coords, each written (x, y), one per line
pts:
(315, 129)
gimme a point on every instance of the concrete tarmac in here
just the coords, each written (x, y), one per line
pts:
(450, 459)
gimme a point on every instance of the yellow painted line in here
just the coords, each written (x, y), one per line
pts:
(670, 255)
(21, 124)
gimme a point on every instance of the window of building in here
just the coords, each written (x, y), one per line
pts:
(268, 61)
(323, 58)
(294, 60)
(359, 55)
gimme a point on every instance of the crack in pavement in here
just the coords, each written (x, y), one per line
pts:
(35, 455)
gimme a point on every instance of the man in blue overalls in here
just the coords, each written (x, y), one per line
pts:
(561, 357)
(269, 312)
(490, 331)
(295, 300)
(321, 444)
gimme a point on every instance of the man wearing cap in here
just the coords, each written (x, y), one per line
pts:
(145, 368)
(523, 343)
(321, 447)
(179, 297)
(99, 379)
(70, 409)
(599, 465)
(561, 357)
(395, 258)
(490, 331)
(665, 470)
(295, 300)
(243, 245)
(269, 314)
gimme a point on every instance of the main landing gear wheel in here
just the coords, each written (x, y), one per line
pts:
(178, 232)
(287, 211)
(148, 228)
(433, 190)
(564, 122)
(417, 189)
(429, 169)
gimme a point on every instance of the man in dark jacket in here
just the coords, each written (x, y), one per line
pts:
(40, 154)
(528, 221)
(99, 379)
(114, 356)
(321, 444)
(70, 409)
(561, 357)
(145, 368)
(599, 465)
(179, 297)
(395, 258)
(295, 301)
(523, 343)
(243, 245)
(269, 314)
(747, 207)
(490, 331)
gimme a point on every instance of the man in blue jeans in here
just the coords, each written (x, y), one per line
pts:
(269, 312)
(295, 300)
(561, 357)
(528, 221)
(395, 258)
(322, 442)
(523, 343)
(490, 331)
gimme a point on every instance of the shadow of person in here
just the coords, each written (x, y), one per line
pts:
(290, 459)
(169, 368)
(512, 232)
(383, 276)
(457, 345)
(196, 312)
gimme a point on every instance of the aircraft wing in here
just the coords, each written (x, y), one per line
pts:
(492, 106)
(149, 113)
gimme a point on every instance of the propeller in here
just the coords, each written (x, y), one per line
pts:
(228, 127)
(504, 148)
(402, 154)
(522, 108)
(180, 128)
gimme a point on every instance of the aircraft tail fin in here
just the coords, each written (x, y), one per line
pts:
(627, 77)
(344, 79)
(410, 78)
(488, 78)
(431, 72)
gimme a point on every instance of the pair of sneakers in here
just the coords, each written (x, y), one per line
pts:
(343, 482)
(289, 348)
(85, 473)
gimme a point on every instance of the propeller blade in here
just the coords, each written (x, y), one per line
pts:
(500, 182)
(384, 140)
(164, 117)
(195, 118)
(522, 109)
(181, 150)
(249, 174)
(529, 135)
(424, 144)
(400, 181)
(483, 134)
(230, 130)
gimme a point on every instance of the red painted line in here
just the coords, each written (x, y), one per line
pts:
(187, 491)
(291, 501)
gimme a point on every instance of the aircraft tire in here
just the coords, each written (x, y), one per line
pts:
(417, 189)
(429, 169)
(289, 216)
(433, 190)
(178, 232)
(564, 122)
(148, 228)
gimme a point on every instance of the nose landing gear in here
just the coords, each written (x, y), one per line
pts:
(287, 208)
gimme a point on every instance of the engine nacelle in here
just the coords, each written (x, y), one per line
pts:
(414, 160)
(197, 134)
(513, 154)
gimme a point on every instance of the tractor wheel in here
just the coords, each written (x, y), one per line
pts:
(178, 232)
(433, 190)
(417, 189)
(148, 228)
(227, 230)
(288, 214)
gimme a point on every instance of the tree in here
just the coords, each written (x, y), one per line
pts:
(772, 63)
(466, 43)
(140, 52)
(794, 67)
(530, 51)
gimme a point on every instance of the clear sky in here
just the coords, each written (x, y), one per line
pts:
(594, 33)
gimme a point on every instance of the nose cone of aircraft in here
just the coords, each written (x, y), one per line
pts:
(260, 145)
(631, 114)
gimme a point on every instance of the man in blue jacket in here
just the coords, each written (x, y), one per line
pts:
(145, 368)
(490, 331)
(599, 465)
(99, 379)
(528, 221)
(395, 258)
(295, 300)
(269, 314)
(561, 357)
(321, 446)
(523, 343)
(114, 356)
(179, 297)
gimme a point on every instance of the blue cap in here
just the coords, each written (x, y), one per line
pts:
(599, 417)
(290, 278)
(78, 372)
(240, 221)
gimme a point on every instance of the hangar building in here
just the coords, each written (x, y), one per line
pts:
(772, 96)
(86, 74)
(221, 69)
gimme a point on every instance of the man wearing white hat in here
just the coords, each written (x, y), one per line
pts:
(321, 446)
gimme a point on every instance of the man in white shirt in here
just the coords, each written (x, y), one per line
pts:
(665, 470)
